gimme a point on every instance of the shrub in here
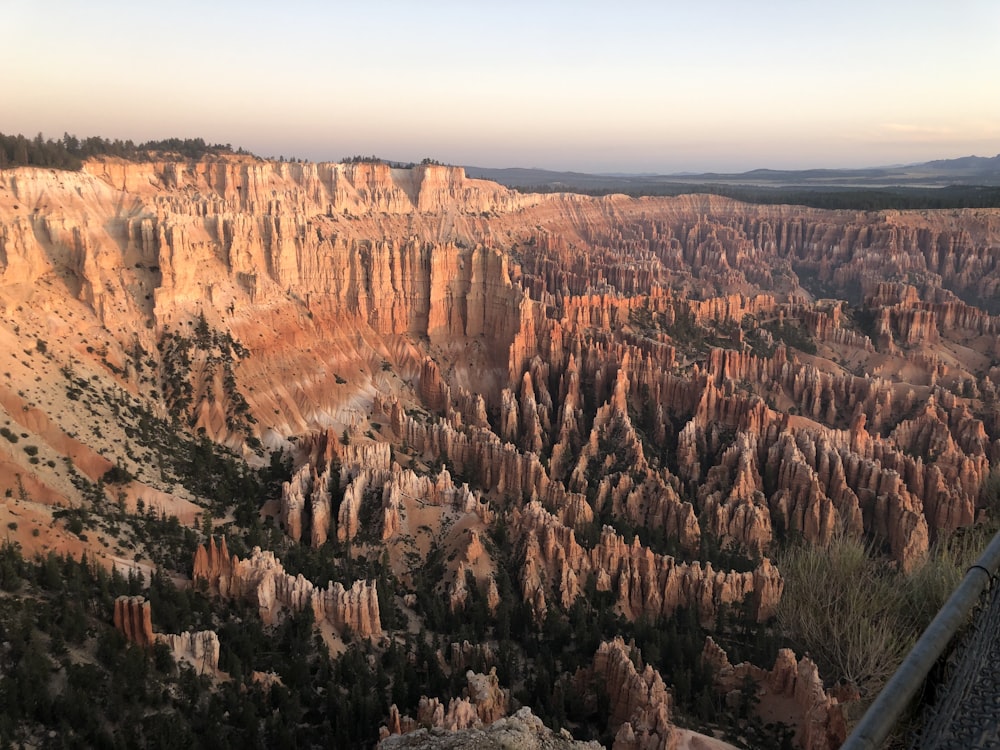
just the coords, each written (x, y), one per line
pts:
(930, 585)
(989, 493)
(117, 474)
(847, 609)
(857, 615)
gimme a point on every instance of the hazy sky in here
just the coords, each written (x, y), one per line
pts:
(653, 86)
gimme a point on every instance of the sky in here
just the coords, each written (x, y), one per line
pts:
(623, 86)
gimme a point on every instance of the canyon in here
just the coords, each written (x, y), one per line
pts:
(486, 396)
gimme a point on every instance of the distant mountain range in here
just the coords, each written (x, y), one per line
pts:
(968, 170)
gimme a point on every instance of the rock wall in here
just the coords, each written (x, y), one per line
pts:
(200, 649)
(212, 562)
(306, 500)
(639, 702)
(483, 703)
(522, 730)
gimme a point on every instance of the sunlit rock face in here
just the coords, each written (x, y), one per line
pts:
(547, 398)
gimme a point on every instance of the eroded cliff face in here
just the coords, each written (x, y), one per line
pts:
(646, 584)
(533, 396)
(278, 255)
(639, 703)
(522, 730)
(133, 618)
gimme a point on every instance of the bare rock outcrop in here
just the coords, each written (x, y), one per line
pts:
(732, 500)
(483, 703)
(523, 730)
(555, 565)
(390, 489)
(821, 718)
(305, 502)
(133, 618)
(261, 580)
(639, 702)
(293, 502)
(200, 649)
(212, 562)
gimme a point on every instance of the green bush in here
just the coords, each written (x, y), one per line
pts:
(117, 474)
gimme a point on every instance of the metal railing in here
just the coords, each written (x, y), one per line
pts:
(888, 707)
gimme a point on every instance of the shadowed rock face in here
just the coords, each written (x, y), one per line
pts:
(484, 703)
(200, 648)
(613, 386)
(637, 699)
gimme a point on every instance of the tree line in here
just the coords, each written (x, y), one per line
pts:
(69, 152)
(861, 199)
(359, 159)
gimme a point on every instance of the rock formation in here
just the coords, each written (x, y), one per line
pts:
(484, 702)
(547, 369)
(306, 499)
(523, 730)
(133, 618)
(212, 561)
(821, 718)
(261, 580)
(199, 649)
(639, 702)
(556, 565)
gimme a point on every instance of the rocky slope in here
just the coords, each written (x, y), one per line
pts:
(589, 396)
